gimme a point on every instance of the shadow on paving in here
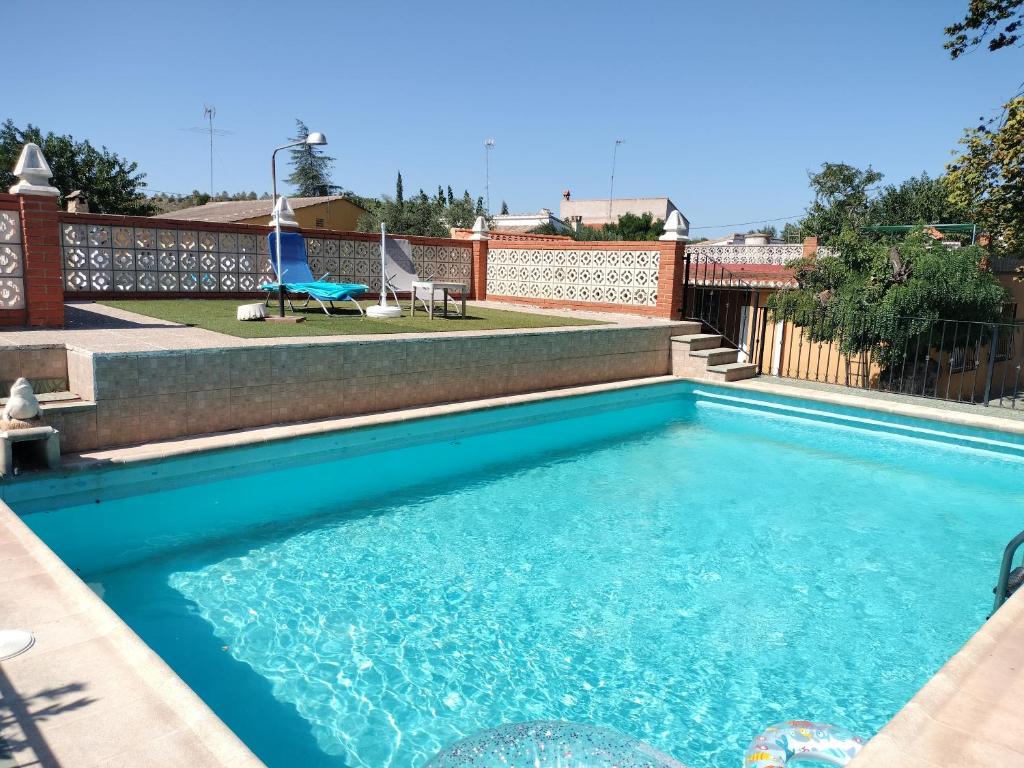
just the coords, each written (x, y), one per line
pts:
(19, 717)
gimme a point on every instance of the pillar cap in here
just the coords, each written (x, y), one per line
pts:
(283, 211)
(676, 227)
(33, 173)
(480, 231)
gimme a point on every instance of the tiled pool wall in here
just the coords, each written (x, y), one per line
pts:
(145, 396)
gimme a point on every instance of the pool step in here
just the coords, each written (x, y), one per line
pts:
(703, 356)
(717, 355)
(731, 371)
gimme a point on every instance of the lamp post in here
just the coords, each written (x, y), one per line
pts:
(488, 146)
(314, 139)
(611, 190)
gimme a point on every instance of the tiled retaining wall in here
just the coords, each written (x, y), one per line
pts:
(148, 396)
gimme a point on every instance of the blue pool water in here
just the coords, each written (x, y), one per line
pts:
(684, 568)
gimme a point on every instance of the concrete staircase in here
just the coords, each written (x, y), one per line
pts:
(697, 355)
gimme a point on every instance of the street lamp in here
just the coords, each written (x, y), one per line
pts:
(611, 191)
(488, 146)
(314, 139)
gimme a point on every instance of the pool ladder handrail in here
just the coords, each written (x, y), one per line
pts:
(1003, 590)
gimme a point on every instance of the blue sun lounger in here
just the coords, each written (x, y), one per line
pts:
(295, 268)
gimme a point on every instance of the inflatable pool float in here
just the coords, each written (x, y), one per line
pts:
(776, 745)
(551, 744)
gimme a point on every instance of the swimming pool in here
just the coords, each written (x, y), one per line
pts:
(681, 563)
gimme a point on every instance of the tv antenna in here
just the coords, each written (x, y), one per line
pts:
(209, 112)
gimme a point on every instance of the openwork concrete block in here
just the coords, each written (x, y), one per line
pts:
(37, 446)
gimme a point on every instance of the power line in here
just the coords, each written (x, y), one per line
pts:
(745, 223)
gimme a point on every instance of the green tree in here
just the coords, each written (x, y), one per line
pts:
(628, 227)
(504, 208)
(841, 200)
(999, 21)
(853, 298)
(987, 178)
(111, 183)
(420, 214)
(764, 229)
(917, 200)
(311, 168)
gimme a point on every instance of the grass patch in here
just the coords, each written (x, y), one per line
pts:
(219, 315)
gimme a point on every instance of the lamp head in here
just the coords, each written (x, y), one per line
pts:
(316, 139)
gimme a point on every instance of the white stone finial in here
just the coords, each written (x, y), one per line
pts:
(283, 210)
(33, 173)
(676, 227)
(480, 229)
(22, 404)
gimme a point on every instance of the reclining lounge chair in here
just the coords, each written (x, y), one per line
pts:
(295, 268)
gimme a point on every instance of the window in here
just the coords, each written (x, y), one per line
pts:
(963, 359)
(319, 224)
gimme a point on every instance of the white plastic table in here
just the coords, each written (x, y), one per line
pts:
(431, 286)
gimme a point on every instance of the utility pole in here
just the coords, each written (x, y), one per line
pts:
(611, 190)
(488, 146)
(209, 112)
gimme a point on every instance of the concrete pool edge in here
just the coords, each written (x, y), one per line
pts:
(50, 599)
(90, 692)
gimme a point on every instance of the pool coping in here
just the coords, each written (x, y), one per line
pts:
(155, 718)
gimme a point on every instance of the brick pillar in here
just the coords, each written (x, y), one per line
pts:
(478, 289)
(480, 240)
(44, 286)
(670, 279)
(810, 247)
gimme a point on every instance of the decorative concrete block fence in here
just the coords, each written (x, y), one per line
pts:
(48, 255)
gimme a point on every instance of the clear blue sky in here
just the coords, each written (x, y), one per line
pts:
(724, 106)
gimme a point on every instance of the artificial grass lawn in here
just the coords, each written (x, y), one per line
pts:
(219, 315)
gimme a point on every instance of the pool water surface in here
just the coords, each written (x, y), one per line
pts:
(686, 570)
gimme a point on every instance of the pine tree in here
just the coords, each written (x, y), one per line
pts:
(504, 208)
(311, 169)
(399, 193)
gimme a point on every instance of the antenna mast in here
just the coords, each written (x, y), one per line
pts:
(210, 112)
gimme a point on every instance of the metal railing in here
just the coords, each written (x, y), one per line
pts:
(1010, 578)
(727, 304)
(953, 360)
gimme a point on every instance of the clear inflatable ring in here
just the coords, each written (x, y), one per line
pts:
(551, 744)
(777, 745)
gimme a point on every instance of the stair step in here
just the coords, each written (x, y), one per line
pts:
(687, 327)
(733, 371)
(699, 340)
(717, 355)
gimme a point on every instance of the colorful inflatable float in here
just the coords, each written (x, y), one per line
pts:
(551, 744)
(802, 740)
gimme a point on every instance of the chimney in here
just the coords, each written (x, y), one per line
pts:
(566, 194)
(810, 247)
(77, 202)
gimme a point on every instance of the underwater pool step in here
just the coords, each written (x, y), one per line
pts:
(732, 371)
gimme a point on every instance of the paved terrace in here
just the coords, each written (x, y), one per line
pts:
(98, 328)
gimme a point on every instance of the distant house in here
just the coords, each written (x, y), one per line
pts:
(750, 238)
(332, 212)
(595, 213)
(524, 222)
